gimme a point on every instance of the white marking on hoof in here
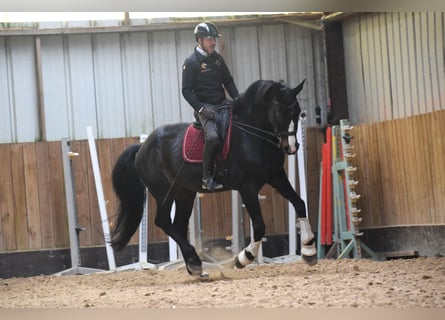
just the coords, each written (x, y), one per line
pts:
(242, 259)
(254, 248)
(252, 252)
(306, 233)
(308, 250)
(204, 276)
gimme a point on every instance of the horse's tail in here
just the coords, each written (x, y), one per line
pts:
(131, 193)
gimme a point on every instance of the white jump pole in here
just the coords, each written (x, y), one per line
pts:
(101, 199)
(301, 136)
(174, 259)
(237, 223)
(292, 256)
(172, 246)
(302, 181)
(292, 215)
(143, 235)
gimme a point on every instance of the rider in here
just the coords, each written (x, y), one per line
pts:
(204, 77)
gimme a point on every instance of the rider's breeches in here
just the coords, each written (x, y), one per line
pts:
(211, 146)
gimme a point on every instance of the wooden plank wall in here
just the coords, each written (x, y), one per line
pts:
(401, 168)
(32, 194)
(33, 205)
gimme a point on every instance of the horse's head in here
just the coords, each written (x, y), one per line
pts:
(283, 112)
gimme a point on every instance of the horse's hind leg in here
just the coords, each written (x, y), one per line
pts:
(249, 194)
(178, 229)
(184, 206)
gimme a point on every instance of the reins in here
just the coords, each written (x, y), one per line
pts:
(252, 130)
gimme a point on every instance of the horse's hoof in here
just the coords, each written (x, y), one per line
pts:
(194, 269)
(238, 264)
(204, 276)
(310, 260)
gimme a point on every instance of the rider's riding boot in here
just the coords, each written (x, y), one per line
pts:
(209, 184)
(208, 157)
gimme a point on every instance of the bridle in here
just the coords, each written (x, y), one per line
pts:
(292, 108)
(270, 137)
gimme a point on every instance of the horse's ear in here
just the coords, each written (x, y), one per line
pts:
(263, 90)
(299, 87)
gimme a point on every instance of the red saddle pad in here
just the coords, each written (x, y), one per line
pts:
(193, 145)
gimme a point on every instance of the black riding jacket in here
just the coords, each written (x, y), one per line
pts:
(203, 79)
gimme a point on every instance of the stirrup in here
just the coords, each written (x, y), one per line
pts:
(209, 184)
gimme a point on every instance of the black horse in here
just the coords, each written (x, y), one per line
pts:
(265, 121)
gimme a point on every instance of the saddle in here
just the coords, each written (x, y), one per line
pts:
(193, 143)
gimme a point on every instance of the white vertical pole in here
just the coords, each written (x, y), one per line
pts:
(101, 199)
(291, 209)
(237, 223)
(172, 246)
(301, 137)
(143, 235)
(195, 231)
(302, 181)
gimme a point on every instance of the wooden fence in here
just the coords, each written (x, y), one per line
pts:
(33, 205)
(401, 168)
(32, 196)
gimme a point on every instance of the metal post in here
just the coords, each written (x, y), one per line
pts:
(73, 223)
(71, 203)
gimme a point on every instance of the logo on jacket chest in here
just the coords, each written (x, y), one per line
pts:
(205, 67)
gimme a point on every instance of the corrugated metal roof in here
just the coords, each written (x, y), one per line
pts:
(150, 24)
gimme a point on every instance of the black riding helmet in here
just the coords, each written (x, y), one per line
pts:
(206, 29)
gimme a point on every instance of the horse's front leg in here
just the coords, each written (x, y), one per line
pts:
(249, 195)
(308, 251)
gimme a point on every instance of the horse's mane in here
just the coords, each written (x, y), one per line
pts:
(252, 91)
(249, 99)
